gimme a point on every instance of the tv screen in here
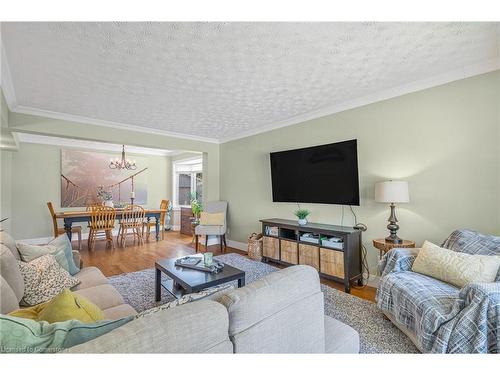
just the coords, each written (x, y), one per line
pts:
(320, 174)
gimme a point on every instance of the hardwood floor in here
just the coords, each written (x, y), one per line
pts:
(135, 258)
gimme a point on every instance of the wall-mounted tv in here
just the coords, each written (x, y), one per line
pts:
(319, 174)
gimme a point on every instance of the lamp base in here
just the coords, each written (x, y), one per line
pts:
(393, 227)
(395, 239)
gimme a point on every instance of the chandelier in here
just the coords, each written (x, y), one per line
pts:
(122, 163)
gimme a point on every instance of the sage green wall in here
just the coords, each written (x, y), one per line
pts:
(36, 171)
(444, 140)
(69, 129)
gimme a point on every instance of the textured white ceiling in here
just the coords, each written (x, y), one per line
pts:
(222, 80)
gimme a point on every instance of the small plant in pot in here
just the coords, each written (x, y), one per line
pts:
(196, 207)
(302, 215)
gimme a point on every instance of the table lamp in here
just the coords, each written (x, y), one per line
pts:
(392, 192)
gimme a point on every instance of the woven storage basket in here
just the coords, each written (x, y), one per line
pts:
(255, 246)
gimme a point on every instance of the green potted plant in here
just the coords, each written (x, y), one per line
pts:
(302, 215)
(196, 206)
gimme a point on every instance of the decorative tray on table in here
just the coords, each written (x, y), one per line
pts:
(196, 263)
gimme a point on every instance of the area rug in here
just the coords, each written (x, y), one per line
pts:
(377, 335)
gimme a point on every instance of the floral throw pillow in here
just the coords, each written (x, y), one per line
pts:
(44, 279)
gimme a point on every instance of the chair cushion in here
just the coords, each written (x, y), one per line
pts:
(90, 277)
(207, 218)
(104, 296)
(9, 270)
(7, 240)
(454, 267)
(214, 230)
(340, 338)
(44, 279)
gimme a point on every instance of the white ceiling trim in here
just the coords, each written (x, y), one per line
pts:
(455, 75)
(90, 145)
(470, 71)
(108, 124)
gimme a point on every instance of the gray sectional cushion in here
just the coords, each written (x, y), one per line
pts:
(340, 338)
(282, 312)
(90, 277)
(199, 327)
(9, 270)
(266, 296)
(8, 299)
(104, 296)
(7, 240)
(119, 311)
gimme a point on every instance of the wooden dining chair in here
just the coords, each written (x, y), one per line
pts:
(152, 224)
(102, 219)
(58, 231)
(133, 220)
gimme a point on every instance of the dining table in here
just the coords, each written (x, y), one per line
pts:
(70, 217)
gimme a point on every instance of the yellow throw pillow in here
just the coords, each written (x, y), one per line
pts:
(29, 312)
(65, 306)
(212, 219)
(455, 268)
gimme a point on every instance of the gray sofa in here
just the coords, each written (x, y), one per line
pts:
(282, 312)
(94, 286)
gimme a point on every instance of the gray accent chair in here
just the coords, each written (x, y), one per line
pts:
(439, 317)
(213, 230)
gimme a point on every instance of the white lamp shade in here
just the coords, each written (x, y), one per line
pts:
(392, 192)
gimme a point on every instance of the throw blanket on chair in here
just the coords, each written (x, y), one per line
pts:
(441, 317)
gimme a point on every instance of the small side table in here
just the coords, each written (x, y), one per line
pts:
(384, 246)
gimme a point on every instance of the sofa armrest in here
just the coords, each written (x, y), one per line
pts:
(397, 260)
(479, 305)
(196, 327)
(77, 259)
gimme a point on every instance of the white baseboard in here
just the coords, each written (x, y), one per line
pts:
(176, 228)
(374, 281)
(237, 245)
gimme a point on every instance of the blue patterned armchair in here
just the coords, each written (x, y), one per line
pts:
(436, 316)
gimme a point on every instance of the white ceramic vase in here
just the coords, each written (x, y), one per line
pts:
(302, 221)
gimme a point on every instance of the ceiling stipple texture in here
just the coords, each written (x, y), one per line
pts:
(219, 80)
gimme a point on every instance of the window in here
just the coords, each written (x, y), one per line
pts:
(188, 180)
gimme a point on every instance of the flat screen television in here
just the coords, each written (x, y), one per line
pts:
(319, 174)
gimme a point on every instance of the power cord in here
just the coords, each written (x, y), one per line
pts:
(364, 261)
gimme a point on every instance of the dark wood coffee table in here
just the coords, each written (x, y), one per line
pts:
(186, 280)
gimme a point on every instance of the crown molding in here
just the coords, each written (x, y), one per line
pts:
(108, 124)
(454, 75)
(89, 145)
(437, 80)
